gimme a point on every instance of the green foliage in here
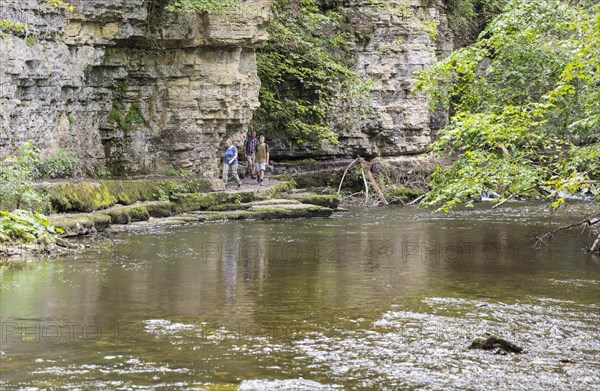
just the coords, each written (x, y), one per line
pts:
(126, 121)
(431, 28)
(161, 195)
(175, 191)
(102, 172)
(12, 26)
(8, 26)
(526, 98)
(60, 4)
(22, 226)
(306, 74)
(468, 17)
(287, 178)
(17, 190)
(18, 172)
(177, 172)
(31, 40)
(60, 165)
(194, 6)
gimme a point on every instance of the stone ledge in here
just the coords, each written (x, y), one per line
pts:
(197, 207)
(93, 195)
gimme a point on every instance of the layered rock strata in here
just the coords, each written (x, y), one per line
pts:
(127, 85)
(393, 39)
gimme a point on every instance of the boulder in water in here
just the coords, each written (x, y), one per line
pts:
(489, 341)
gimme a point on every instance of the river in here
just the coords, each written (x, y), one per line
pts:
(384, 298)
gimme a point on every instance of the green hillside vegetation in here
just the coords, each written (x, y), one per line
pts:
(525, 99)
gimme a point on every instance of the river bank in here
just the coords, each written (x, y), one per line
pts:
(300, 189)
(91, 206)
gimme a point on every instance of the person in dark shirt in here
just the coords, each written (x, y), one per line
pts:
(249, 146)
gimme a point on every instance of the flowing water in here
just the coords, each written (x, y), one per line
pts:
(369, 299)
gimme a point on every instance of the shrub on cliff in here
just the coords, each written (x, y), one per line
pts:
(18, 172)
(192, 6)
(16, 175)
(62, 164)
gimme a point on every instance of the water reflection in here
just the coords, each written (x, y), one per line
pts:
(276, 301)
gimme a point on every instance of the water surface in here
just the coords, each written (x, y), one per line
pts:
(369, 299)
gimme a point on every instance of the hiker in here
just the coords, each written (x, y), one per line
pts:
(249, 147)
(261, 157)
(231, 163)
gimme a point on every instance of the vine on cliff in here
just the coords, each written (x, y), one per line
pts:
(306, 73)
(10, 27)
(467, 18)
(193, 6)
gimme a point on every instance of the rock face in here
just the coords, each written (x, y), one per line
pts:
(127, 85)
(393, 39)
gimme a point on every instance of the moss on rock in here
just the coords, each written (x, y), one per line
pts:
(88, 196)
(228, 207)
(189, 202)
(80, 224)
(129, 214)
(160, 208)
(215, 216)
(279, 188)
(81, 196)
(403, 194)
(286, 211)
(327, 201)
(319, 179)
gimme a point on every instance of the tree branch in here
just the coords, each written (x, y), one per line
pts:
(592, 220)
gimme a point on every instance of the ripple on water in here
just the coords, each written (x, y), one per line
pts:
(426, 349)
(286, 385)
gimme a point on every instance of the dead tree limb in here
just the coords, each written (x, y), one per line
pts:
(511, 196)
(365, 167)
(362, 171)
(416, 200)
(373, 182)
(592, 220)
(345, 172)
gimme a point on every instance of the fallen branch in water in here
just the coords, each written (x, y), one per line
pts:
(374, 183)
(596, 246)
(365, 167)
(362, 172)
(419, 198)
(592, 220)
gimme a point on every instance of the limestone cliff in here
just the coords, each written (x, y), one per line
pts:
(127, 85)
(393, 39)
